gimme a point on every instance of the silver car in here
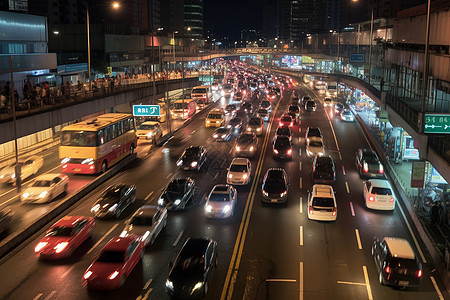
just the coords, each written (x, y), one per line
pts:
(221, 202)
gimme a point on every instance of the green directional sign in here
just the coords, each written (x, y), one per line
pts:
(437, 123)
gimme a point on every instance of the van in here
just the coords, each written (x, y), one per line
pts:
(183, 109)
(202, 92)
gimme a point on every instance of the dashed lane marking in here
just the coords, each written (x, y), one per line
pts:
(148, 196)
(301, 281)
(301, 235)
(178, 238)
(366, 278)
(38, 296)
(343, 170)
(352, 209)
(358, 239)
(50, 296)
(346, 187)
(438, 291)
(301, 205)
(280, 280)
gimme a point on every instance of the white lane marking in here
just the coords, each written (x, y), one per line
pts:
(178, 238)
(300, 152)
(301, 235)
(438, 291)
(301, 182)
(280, 280)
(103, 237)
(38, 296)
(231, 150)
(351, 208)
(147, 283)
(340, 157)
(50, 295)
(349, 282)
(193, 131)
(424, 260)
(300, 166)
(148, 196)
(343, 170)
(301, 281)
(346, 186)
(366, 278)
(358, 239)
(215, 176)
(299, 139)
(67, 272)
(170, 174)
(301, 205)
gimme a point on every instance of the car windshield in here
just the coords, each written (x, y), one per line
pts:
(180, 105)
(315, 144)
(219, 197)
(381, 191)
(190, 263)
(231, 107)
(111, 257)
(42, 183)
(79, 138)
(227, 86)
(274, 182)
(199, 91)
(175, 186)
(314, 132)
(59, 231)
(222, 130)
(323, 162)
(310, 104)
(238, 168)
(148, 127)
(286, 119)
(323, 202)
(142, 221)
(245, 138)
(293, 108)
(262, 112)
(190, 152)
(265, 104)
(214, 116)
(112, 193)
(255, 121)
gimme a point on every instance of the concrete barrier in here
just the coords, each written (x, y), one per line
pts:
(14, 240)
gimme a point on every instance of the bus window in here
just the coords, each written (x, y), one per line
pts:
(100, 138)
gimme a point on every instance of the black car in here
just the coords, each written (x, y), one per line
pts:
(305, 99)
(177, 194)
(266, 105)
(247, 107)
(275, 186)
(282, 147)
(310, 105)
(294, 117)
(230, 109)
(114, 200)
(313, 132)
(368, 164)
(193, 268)
(263, 114)
(323, 169)
(295, 109)
(192, 158)
(236, 124)
(338, 108)
(284, 130)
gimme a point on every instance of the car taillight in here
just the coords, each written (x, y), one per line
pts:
(419, 273)
(311, 210)
(380, 169)
(371, 198)
(391, 200)
(60, 247)
(387, 270)
(291, 124)
(366, 168)
(289, 151)
(334, 211)
(281, 123)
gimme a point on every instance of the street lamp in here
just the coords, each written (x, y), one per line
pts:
(114, 5)
(56, 33)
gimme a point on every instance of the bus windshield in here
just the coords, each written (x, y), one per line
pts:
(79, 138)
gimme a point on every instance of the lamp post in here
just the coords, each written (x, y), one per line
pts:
(114, 5)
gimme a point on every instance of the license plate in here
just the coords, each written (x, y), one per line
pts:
(274, 200)
(403, 283)
(77, 170)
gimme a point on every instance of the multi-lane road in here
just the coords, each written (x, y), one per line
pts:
(265, 252)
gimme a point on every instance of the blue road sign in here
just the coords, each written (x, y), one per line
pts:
(356, 57)
(146, 110)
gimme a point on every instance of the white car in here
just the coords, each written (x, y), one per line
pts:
(45, 188)
(314, 146)
(147, 222)
(346, 115)
(378, 194)
(322, 204)
(221, 201)
(150, 130)
(29, 166)
(239, 171)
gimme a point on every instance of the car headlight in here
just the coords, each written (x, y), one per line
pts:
(309, 152)
(197, 286)
(215, 136)
(43, 194)
(113, 208)
(238, 148)
(244, 176)
(95, 208)
(283, 194)
(224, 136)
(169, 284)
(25, 195)
(160, 201)
(252, 148)
(259, 129)
(40, 246)
(150, 134)
(207, 121)
(177, 202)
(226, 208)
(208, 208)
(217, 122)
(249, 129)
(265, 193)
(88, 161)
(60, 247)
(113, 275)
(179, 163)
(230, 175)
(275, 151)
(194, 164)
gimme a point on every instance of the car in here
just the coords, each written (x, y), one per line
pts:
(256, 125)
(284, 130)
(192, 158)
(275, 186)
(114, 200)
(282, 147)
(338, 108)
(64, 237)
(313, 132)
(271, 96)
(147, 222)
(239, 171)
(266, 105)
(347, 116)
(192, 270)
(286, 120)
(305, 99)
(368, 164)
(150, 130)
(295, 109)
(222, 134)
(115, 262)
(322, 204)
(29, 166)
(236, 124)
(293, 116)
(45, 188)
(263, 114)
(246, 144)
(327, 102)
(6, 218)
(247, 107)
(227, 90)
(310, 105)
(177, 193)
(230, 109)
(323, 169)
(396, 262)
(378, 194)
(238, 96)
(314, 146)
(215, 118)
(221, 201)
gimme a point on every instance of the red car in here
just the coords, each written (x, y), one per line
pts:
(286, 120)
(114, 263)
(64, 237)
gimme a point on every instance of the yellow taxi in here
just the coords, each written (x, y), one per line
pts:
(215, 118)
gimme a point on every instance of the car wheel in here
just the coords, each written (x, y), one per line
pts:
(104, 166)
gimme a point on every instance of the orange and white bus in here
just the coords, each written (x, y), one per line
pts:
(94, 145)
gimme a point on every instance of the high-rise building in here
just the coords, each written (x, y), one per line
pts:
(184, 16)
(14, 5)
(270, 19)
(60, 11)
(390, 8)
(332, 15)
(154, 14)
